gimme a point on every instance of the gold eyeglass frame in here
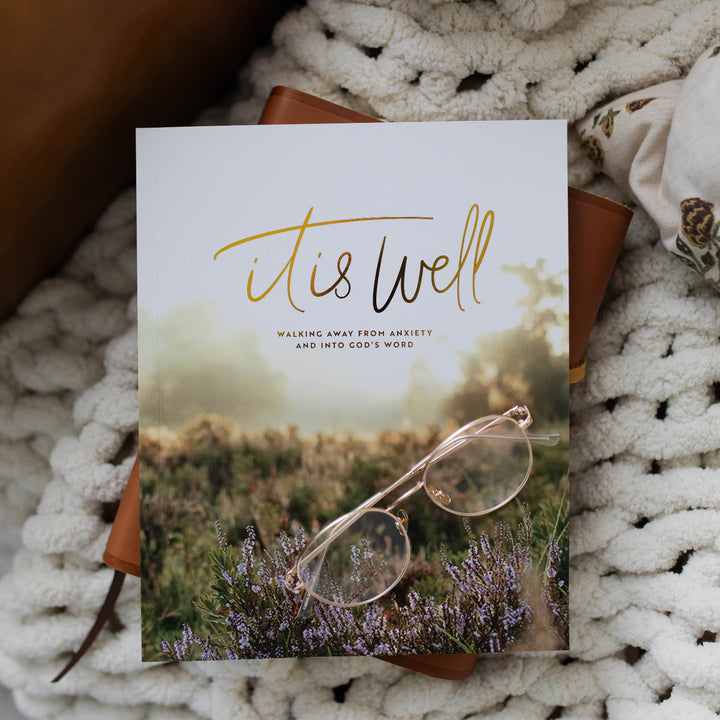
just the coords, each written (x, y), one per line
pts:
(519, 414)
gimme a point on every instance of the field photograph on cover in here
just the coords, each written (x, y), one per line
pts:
(350, 445)
(238, 505)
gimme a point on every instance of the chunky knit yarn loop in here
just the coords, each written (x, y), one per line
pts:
(645, 606)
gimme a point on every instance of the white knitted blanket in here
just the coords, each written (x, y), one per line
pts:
(645, 605)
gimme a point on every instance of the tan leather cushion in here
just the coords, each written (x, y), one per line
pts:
(77, 78)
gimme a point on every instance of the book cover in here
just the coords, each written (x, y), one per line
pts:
(353, 389)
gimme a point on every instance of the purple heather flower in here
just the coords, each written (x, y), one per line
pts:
(368, 554)
(453, 572)
(286, 545)
(187, 634)
(244, 640)
(221, 538)
(265, 572)
(554, 551)
(355, 555)
(179, 650)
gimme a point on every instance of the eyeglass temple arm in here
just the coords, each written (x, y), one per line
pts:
(549, 439)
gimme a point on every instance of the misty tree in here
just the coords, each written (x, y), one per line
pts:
(195, 358)
(526, 364)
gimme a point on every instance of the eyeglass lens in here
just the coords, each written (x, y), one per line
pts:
(475, 473)
(362, 561)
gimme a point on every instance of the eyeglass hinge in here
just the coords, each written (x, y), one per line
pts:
(293, 583)
(402, 518)
(521, 415)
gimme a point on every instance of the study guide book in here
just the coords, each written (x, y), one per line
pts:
(353, 379)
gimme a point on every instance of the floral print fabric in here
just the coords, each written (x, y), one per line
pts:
(662, 147)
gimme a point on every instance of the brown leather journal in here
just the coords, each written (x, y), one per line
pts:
(597, 228)
(122, 551)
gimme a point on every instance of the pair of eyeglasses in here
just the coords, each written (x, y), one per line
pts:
(362, 555)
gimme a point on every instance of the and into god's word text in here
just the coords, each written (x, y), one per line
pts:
(374, 339)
